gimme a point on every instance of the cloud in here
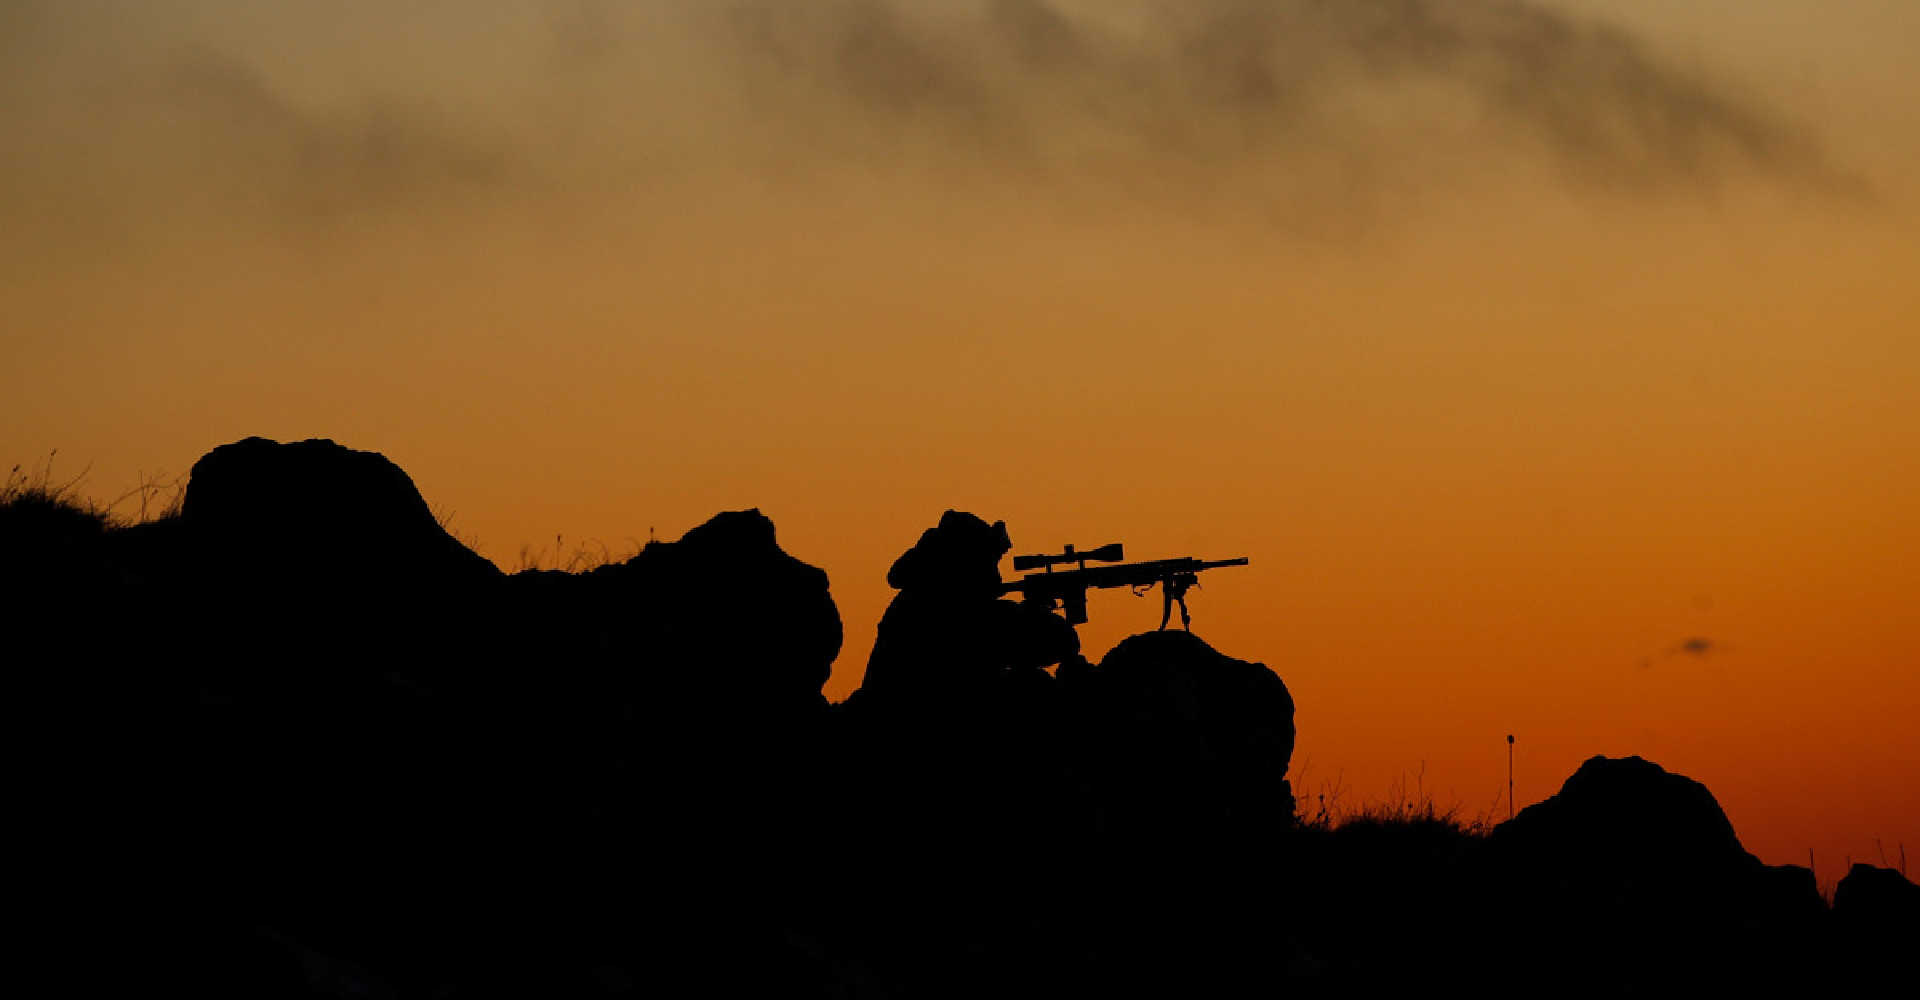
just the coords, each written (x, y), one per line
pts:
(305, 167)
(1304, 115)
(1695, 647)
(130, 130)
(1282, 97)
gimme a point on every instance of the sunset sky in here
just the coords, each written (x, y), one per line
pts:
(1556, 364)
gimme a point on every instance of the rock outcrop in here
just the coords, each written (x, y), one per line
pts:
(740, 619)
(1630, 818)
(1638, 871)
(302, 742)
(318, 520)
(1183, 737)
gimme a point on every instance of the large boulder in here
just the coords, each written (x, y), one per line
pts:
(1870, 894)
(1877, 904)
(727, 616)
(1876, 915)
(1186, 740)
(1634, 874)
(1630, 816)
(320, 521)
(720, 637)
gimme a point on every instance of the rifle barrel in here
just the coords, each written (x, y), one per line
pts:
(1138, 574)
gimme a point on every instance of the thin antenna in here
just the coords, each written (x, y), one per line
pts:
(1509, 775)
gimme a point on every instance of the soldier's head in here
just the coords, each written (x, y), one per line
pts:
(960, 555)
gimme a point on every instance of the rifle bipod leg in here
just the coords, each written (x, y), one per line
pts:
(1174, 591)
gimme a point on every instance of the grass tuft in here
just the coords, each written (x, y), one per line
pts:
(584, 558)
(1405, 807)
(34, 498)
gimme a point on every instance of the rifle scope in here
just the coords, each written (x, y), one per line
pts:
(1105, 553)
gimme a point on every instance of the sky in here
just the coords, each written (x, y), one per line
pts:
(1555, 364)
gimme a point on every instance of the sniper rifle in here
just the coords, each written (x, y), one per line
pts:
(1067, 589)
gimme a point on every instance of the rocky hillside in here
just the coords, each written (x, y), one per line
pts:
(296, 740)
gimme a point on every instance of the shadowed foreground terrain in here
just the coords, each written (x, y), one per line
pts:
(296, 740)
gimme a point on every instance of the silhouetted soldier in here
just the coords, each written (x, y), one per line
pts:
(962, 790)
(947, 644)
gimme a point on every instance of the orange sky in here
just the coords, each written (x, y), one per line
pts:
(1514, 356)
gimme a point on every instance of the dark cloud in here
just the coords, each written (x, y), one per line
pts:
(1390, 89)
(128, 131)
(1696, 647)
(1305, 114)
(306, 167)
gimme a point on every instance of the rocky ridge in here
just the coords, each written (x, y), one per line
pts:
(299, 741)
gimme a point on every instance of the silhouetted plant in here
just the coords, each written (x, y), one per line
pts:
(1323, 812)
(33, 498)
(443, 516)
(585, 557)
(159, 498)
(1403, 807)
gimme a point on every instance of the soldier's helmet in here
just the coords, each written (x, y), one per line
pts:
(960, 556)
